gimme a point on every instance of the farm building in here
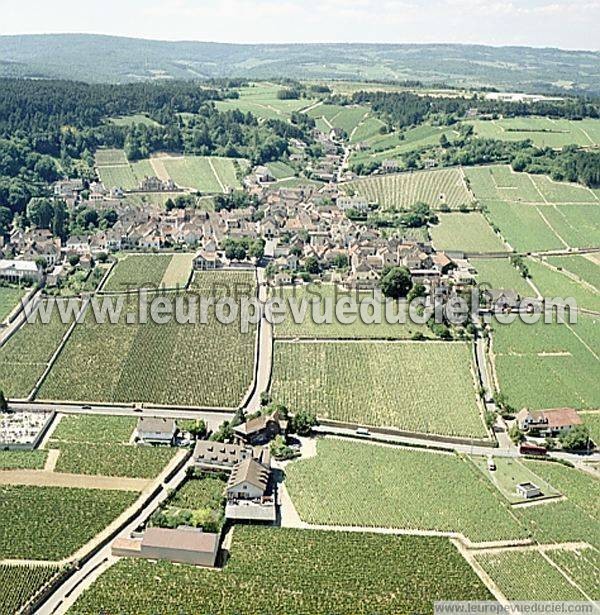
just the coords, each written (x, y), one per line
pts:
(209, 455)
(261, 429)
(156, 431)
(19, 271)
(185, 545)
(548, 422)
(250, 494)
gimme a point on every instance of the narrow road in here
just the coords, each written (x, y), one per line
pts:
(66, 595)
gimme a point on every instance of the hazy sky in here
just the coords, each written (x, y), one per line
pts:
(571, 24)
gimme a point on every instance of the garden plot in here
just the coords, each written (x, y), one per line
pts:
(317, 572)
(424, 387)
(392, 487)
(445, 187)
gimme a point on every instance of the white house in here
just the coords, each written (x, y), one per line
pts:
(156, 431)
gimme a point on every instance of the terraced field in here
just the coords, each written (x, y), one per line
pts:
(383, 486)
(465, 232)
(71, 518)
(317, 572)
(542, 131)
(549, 365)
(526, 575)
(25, 355)
(417, 386)
(325, 295)
(436, 188)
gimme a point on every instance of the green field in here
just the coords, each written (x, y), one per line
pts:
(25, 355)
(261, 100)
(337, 116)
(109, 157)
(208, 174)
(22, 460)
(87, 428)
(553, 283)
(202, 364)
(465, 232)
(585, 268)
(526, 575)
(549, 365)
(533, 212)
(542, 131)
(416, 386)
(148, 271)
(583, 566)
(322, 294)
(71, 518)
(384, 486)
(136, 118)
(499, 273)
(445, 187)
(20, 583)
(10, 297)
(316, 573)
(592, 420)
(508, 474)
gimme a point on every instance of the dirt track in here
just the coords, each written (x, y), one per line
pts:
(82, 481)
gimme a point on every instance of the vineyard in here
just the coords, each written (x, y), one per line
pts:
(549, 365)
(25, 356)
(526, 575)
(583, 566)
(118, 460)
(138, 271)
(20, 583)
(436, 188)
(9, 299)
(325, 293)
(316, 572)
(204, 173)
(396, 488)
(466, 232)
(71, 518)
(22, 460)
(499, 273)
(587, 269)
(418, 386)
(93, 429)
(234, 284)
(198, 364)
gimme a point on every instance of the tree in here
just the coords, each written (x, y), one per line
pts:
(198, 430)
(6, 218)
(418, 290)
(575, 439)
(490, 419)
(303, 422)
(515, 434)
(396, 282)
(3, 402)
(444, 141)
(40, 213)
(257, 248)
(74, 260)
(59, 220)
(238, 418)
(280, 450)
(311, 264)
(340, 261)
(223, 434)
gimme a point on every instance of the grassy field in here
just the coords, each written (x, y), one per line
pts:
(336, 116)
(150, 271)
(417, 386)
(202, 364)
(402, 191)
(136, 118)
(549, 365)
(542, 131)
(526, 575)
(508, 474)
(9, 299)
(325, 293)
(583, 566)
(71, 517)
(25, 356)
(20, 583)
(592, 420)
(317, 572)
(22, 460)
(585, 268)
(393, 487)
(499, 273)
(109, 157)
(465, 232)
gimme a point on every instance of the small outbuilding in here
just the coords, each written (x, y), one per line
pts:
(152, 430)
(528, 491)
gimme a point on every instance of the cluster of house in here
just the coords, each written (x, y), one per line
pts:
(250, 490)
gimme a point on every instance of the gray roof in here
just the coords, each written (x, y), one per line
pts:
(249, 471)
(156, 425)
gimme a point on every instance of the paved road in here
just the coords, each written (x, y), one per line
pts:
(61, 600)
